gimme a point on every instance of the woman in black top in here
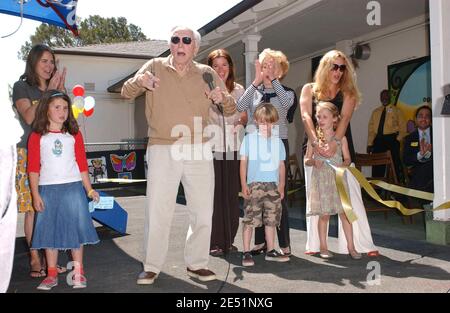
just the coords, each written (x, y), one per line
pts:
(334, 82)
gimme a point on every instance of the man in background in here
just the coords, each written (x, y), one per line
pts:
(387, 128)
(418, 152)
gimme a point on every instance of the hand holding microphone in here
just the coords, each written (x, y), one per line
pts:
(215, 93)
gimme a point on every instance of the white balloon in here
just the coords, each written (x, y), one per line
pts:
(78, 101)
(89, 103)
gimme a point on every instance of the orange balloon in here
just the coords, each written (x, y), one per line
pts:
(89, 112)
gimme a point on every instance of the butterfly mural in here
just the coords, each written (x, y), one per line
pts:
(127, 161)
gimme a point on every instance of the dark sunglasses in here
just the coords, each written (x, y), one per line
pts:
(186, 40)
(341, 67)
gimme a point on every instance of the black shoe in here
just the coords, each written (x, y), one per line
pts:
(259, 251)
(276, 256)
(202, 274)
(287, 253)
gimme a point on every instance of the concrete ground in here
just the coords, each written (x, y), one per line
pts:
(407, 262)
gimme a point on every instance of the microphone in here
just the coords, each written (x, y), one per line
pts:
(209, 79)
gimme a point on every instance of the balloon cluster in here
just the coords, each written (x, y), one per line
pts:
(81, 104)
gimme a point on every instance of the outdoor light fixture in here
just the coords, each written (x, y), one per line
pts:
(446, 105)
(361, 52)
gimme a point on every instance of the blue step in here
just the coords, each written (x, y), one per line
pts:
(115, 218)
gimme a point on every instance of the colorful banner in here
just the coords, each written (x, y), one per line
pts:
(61, 13)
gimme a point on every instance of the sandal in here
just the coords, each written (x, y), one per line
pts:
(355, 255)
(216, 251)
(289, 253)
(38, 274)
(61, 269)
(326, 254)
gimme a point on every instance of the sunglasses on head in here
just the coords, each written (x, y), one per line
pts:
(341, 67)
(186, 40)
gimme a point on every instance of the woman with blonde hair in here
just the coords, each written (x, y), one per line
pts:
(335, 82)
(270, 68)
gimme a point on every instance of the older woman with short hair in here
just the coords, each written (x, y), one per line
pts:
(270, 68)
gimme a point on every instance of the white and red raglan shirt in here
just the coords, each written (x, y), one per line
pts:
(58, 157)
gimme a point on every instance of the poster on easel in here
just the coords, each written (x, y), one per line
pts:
(116, 164)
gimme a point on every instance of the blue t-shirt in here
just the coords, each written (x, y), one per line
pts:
(264, 156)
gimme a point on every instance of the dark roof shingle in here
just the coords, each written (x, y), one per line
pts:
(132, 49)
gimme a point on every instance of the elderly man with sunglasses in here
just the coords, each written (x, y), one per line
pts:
(177, 102)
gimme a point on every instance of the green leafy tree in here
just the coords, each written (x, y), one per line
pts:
(93, 30)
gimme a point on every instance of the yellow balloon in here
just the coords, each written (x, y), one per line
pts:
(75, 111)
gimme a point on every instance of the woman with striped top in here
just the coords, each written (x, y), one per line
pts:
(270, 68)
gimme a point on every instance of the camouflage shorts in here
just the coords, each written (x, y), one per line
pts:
(264, 204)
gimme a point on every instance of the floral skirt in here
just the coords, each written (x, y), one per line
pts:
(24, 200)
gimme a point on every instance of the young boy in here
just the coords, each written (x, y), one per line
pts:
(262, 174)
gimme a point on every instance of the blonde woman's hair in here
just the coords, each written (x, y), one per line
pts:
(266, 112)
(325, 105)
(279, 57)
(347, 84)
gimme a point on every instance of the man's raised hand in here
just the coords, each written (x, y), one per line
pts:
(148, 81)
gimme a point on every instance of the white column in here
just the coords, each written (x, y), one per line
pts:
(251, 54)
(440, 81)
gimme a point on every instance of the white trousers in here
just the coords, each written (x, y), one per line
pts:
(8, 213)
(362, 237)
(166, 168)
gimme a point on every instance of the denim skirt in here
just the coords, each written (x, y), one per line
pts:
(65, 223)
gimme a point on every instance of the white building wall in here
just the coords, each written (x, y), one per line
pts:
(298, 75)
(114, 117)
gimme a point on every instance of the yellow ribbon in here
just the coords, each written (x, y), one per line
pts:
(340, 184)
(402, 190)
(364, 183)
(369, 189)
